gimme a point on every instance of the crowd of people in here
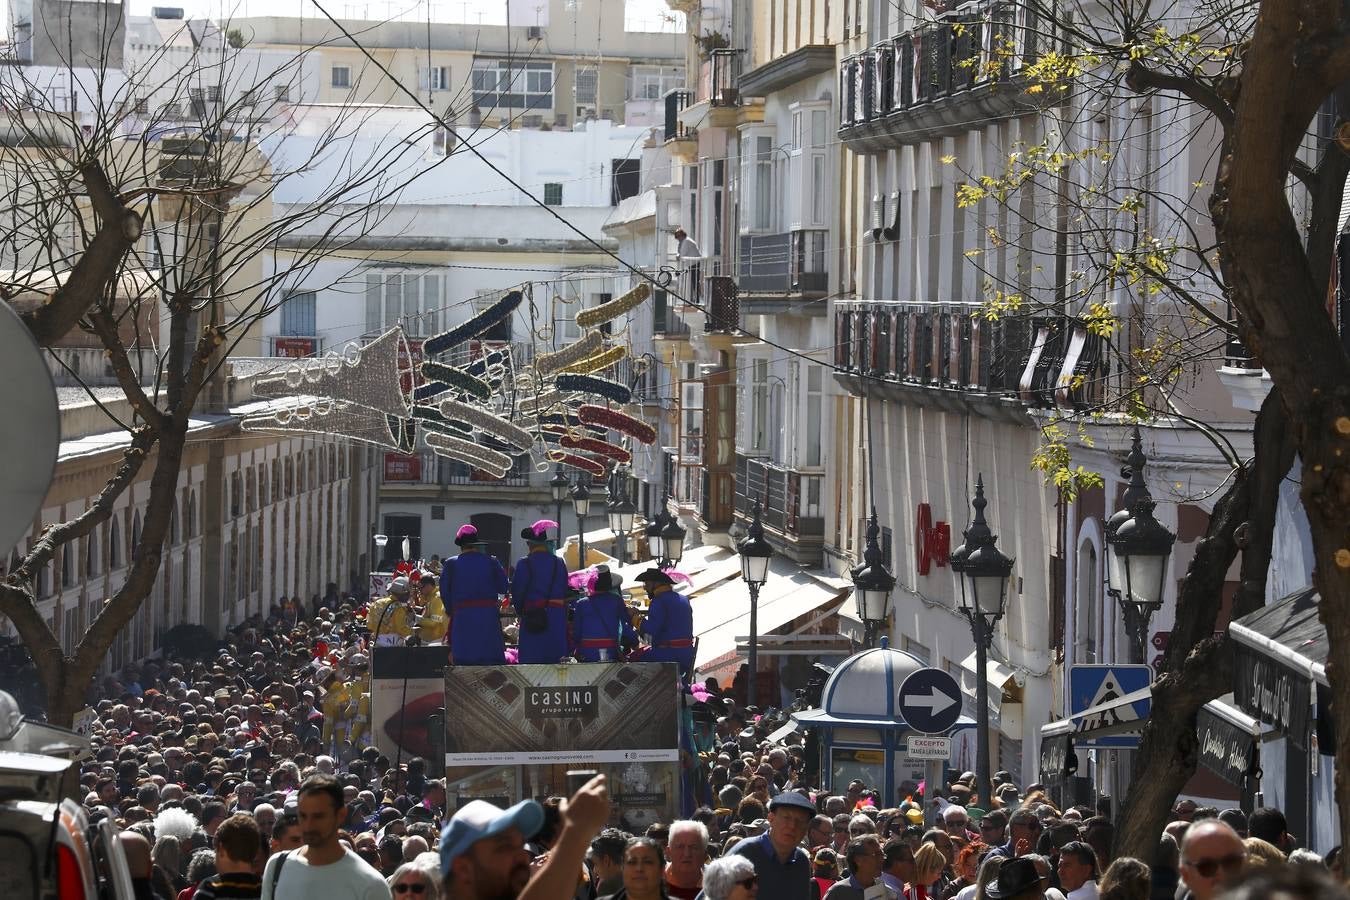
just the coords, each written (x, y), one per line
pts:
(249, 772)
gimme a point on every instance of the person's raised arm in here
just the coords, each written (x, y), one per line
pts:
(582, 818)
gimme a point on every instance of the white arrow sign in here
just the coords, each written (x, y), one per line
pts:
(935, 702)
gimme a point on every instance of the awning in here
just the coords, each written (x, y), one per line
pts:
(778, 735)
(1123, 715)
(1281, 653)
(706, 566)
(1002, 678)
(723, 613)
(1228, 741)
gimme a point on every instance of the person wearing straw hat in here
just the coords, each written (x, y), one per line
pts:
(669, 622)
(471, 585)
(539, 591)
(600, 625)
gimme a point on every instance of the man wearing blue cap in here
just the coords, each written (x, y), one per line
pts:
(483, 855)
(782, 866)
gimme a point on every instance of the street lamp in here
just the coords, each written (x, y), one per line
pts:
(872, 584)
(581, 505)
(653, 531)
(981, 572)
(1139, 547)
(559, 486)
(381, 541)
(672, 542)
(755, 555)
(621, 514)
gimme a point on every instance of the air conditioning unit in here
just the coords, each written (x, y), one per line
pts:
(560, 120)
(609, 114)
(585, 112)
(534, 33)
(532, 121)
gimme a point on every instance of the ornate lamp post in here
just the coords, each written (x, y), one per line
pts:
(872, 584)
(622, 511)
(981, 572)
(1139, 547)
(755, 555)
(672, 542)
(581, 505)
(559, 486)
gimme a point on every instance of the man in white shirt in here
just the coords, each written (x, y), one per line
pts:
(1078, 871)
(685, 246)
(323, 867)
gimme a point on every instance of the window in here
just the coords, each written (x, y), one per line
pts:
(653, 82)
(519, 86)
(342, 76)
(759, 405)
(757, 179)
(586, 82)
(553, 194)
(436, 78)
(297, 314)
(114, 544)
(282, 93)
(411, 297)
(625, 180)
(142, 106)
(815, 377)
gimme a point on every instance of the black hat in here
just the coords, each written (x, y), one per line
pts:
(467, 536)
(605, 580)
(538, 532)
(1016, 876)
(655, 575)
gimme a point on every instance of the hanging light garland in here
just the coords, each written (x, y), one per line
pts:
(590, 414)
(483, 420)
(471, 453)
(595, 445)
(592, 384)
(596, 315)
(323, 416)
(572, 460)
(598, 362)
(367, 376)
(574, 352)
(457, 379)
(481, 322)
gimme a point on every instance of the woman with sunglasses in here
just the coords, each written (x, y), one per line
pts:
(412, 881)
(730, 878)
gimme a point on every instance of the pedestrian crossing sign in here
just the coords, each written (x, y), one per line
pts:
(1091, 686)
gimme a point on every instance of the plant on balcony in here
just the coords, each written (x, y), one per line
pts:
(709, 41)
(1225, 255)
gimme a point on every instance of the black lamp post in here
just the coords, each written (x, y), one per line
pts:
(981, 572)
(622, 511)
(672, 542)
(581, 505)
(1138, 547)
(755, 555)
(872, 584)
(559, 486)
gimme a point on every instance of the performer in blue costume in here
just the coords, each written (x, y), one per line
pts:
(539, 591)
(599, 620)
(471, 587)
(669, 623)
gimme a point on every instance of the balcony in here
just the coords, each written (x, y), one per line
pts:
(667, 325)
(294, 346)
(792, 515)
(417, 472)
(940, 78)
(791, 265)
(722, 305)
(719, 78)
(942, 354)
(676, 102)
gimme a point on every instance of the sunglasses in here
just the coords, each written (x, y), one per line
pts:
(750, 882)
(403, 888)
(1208, 868)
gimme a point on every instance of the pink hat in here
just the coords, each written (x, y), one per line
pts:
(466, 535)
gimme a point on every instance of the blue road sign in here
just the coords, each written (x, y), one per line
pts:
(1093, 685)
(930, 701)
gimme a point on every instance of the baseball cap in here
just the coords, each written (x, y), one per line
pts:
(479, 819)
(792, 798)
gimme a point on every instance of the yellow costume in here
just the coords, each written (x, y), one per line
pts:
(390, 621)
(358, 708)
(335, 721)
(431, 626)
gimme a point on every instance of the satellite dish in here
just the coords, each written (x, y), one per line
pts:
(30, 444)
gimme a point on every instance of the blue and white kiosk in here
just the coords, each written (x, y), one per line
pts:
(863, 733)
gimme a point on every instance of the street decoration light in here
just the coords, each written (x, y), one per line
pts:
(982, 572)
(755, 555)
(1138, 547)
(872, 584)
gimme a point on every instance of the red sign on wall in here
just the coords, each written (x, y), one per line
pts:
(294, 347)
(932, 540)
(402, 467)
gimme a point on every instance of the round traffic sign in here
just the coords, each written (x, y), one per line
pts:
(930, 701)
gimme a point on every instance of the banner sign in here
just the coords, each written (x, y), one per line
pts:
(407, 699)
(582, 713)
(1225, 749)
(1271, 692)
(1056, 753)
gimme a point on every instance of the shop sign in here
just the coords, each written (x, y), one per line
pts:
(932, 540)
(1225, 749)
(1272, 693)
